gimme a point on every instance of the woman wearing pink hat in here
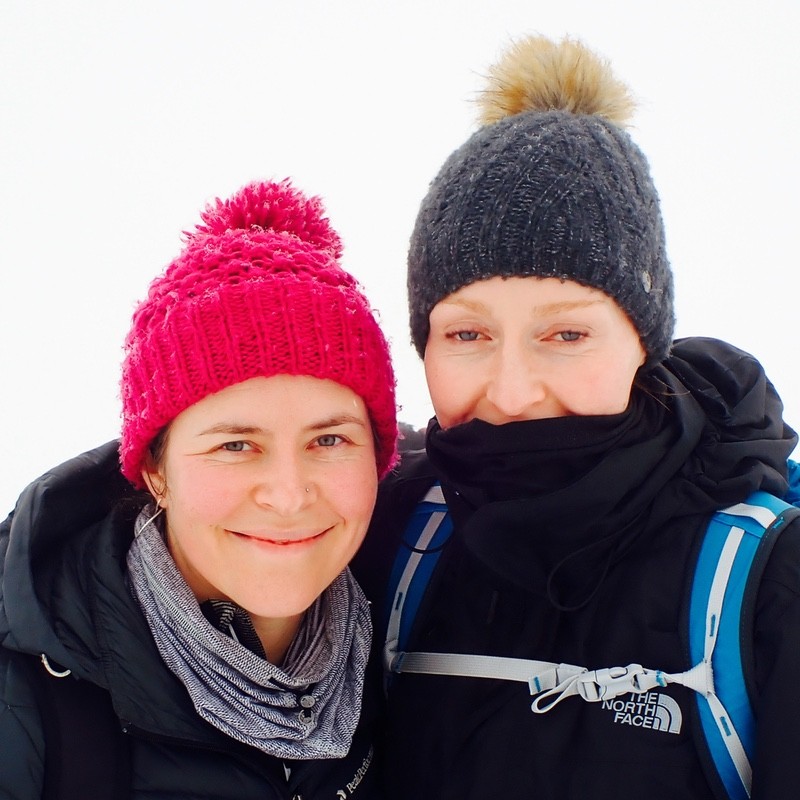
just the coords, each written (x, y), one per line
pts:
(211, 622)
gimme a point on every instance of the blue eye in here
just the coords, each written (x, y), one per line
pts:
(466, 336)
(234, 447)
(329, 440)
(570, 336)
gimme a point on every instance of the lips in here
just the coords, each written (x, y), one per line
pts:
(287, 540)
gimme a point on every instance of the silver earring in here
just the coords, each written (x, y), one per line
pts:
(159, 510)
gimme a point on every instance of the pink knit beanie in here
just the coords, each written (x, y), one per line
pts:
(256, 291)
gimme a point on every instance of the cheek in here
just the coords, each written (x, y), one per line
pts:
(353, 491)
(450, 389)
(602, 391)
(203, 495)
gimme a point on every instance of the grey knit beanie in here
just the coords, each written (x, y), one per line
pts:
(550, 186)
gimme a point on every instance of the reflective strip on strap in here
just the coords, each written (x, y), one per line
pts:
(763, 516)
(472, 666)
(434, 495)
(396, 611)
(729, 737)
(732, 742)
(718, 586)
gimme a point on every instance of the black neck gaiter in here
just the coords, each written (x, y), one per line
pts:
(550, 504)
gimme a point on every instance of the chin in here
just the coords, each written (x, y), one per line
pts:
(284, 607)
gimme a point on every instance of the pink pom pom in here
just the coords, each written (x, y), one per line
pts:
(272, 206)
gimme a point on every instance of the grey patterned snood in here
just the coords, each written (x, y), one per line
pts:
(308, 708)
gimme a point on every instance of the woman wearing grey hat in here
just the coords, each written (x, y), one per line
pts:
(579, 454)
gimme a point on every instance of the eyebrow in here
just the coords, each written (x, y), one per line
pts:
(570, 305)
(543, 310)
(336, 421)
(470, 305)
(233, 428)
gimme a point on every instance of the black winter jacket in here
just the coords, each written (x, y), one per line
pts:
(63, 593)
(525, 575)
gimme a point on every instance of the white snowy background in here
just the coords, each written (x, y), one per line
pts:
(119, 121)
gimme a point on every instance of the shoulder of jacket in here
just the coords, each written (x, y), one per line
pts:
(413, 474)
(783, 565)
(402, 489)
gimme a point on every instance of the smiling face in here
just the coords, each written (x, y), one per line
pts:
(509, 349)
(268, 487)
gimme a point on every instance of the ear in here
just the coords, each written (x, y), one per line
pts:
(156, 485)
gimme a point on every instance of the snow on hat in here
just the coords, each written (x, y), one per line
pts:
(550, 186)
(256, 291)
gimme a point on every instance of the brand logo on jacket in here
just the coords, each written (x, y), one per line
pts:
(652, 710)
(350, 789)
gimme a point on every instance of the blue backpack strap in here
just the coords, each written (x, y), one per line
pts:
(428, 530)
(726, 715)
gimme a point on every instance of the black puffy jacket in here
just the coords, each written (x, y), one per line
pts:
(63, 593)
(527, 576)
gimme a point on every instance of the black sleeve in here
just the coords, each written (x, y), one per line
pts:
(776, 769)
(21, 735)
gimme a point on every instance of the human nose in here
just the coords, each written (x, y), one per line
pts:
(516, 384)
(284, 486)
